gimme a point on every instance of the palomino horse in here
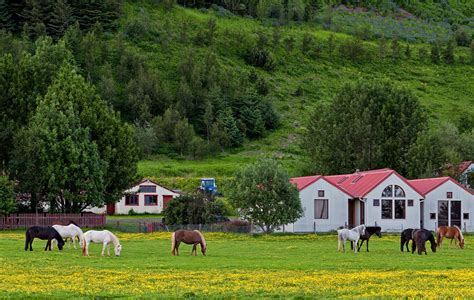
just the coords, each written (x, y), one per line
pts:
(352, 235)
(70, 231)
(419, 237)
(453, 233)
(405, 238)
(43, 233)
(190, 237)
(103, 237)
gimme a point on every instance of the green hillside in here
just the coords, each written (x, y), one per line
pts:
(297, 83)
(213, 86)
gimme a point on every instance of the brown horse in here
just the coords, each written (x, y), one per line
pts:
(453, 233)
(190, 237)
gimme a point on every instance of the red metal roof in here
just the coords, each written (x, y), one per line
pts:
(426, 185)
(302, 182)
(464, 165)
(360, 184)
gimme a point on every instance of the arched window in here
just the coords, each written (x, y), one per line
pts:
(399, 192)
(387, 192)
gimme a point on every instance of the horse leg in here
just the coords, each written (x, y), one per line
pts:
(338, 244)
(74, 242)
(27, 242)
(31, 243)
(450, 243)
(344, 245)
(108, 249)
(104, 244)
(367, 244)
(413, 247)
(194, 250)
(177, 248)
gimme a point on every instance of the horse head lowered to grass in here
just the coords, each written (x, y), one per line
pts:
(191, 237)
(43, 233)
(454, 233)
(420, 236)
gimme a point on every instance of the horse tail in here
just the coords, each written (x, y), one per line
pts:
(173, 242)
(84, 247)
(438, 237)
(203, 240)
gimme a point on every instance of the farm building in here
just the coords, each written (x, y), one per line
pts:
(446, 202)
(144, 197)
(378, 197)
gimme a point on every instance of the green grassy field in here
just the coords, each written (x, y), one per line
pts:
(236, 265)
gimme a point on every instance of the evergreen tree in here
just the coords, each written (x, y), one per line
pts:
(60, 18)
(7, 196)
(183, 136)
(435, 53)
(6, 21)
(236, 138)
(448, 53)
(395, 46)
(408, 51)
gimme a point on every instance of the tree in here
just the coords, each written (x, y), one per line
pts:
(448, 53)
(263, 194)
(196, 208)
(435, 52)
(183, 136)
(395, 46)
(60, 18)
(236, 138)
(7, 196)
(368, 125)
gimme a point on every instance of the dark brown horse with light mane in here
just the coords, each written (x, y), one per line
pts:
(453, 233)
(190, 237)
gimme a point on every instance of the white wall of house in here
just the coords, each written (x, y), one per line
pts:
(337, 208)
(373, 214)
(122, 208)
(440, 193)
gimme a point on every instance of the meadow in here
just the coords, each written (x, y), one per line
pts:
(236, 265)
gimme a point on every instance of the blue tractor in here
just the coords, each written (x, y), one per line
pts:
(208, 186)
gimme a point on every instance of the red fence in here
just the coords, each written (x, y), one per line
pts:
(15, 221)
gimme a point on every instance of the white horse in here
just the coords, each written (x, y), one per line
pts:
(70, 231)
(103, 237)
(352, 235)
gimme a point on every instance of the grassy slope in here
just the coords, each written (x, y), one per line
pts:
(445, 91)
(236, 265)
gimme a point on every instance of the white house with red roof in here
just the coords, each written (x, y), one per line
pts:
(446, 202)
(144, 197)
(375, 198)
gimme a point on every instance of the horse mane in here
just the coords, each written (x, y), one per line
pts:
(73, 223)
(115, 239)
(203, 240)
(460, 231)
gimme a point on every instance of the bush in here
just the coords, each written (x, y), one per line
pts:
(261, 58)
(194, 208)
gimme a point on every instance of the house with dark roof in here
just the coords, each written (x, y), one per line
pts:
(446, 203)
(375, 198)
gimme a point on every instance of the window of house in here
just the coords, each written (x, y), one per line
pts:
(151, 200)
(465, 216)
(410, 202)
(131, 200)
(147, 189)
(432, 216)
(321, 193)
(321, 209)
(387, 192)
(376, 202)
(387, 211)
(400, 209)
(449, 195)
(399, 192)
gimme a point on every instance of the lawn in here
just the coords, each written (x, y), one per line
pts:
(236, 265)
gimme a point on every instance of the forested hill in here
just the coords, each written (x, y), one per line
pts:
(228, 81)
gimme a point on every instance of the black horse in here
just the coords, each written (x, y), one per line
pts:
(420, 236)
(405, 238)
(43, 233)
(369, 231)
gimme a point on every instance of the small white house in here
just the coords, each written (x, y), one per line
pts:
(325, 206)
(446, 203)
(375, 198)
(145, 197)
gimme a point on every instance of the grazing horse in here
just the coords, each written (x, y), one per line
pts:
(420, 236)
(369, 231)
(352, 235)
(405, 238)
(103, 237)
(70, 231)
(453, 233)
(43, 233)
(190, 237)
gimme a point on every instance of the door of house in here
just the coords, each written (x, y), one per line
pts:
(362, 212)
(110, 208)
(166, 200)
(351, 213)
(449, 213)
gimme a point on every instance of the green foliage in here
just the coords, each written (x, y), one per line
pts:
(7, 196)
(263, 195)
(369, 125)
(195, 208)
